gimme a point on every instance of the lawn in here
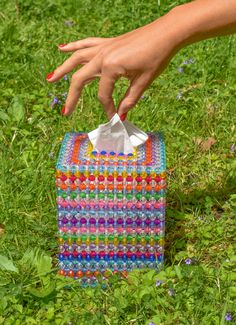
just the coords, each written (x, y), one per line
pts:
(193, 103)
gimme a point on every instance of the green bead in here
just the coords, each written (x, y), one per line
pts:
(64, 195)
(129, 237)
(156, 237)
(101, 236)
(73, 195)
(138, 237)
(110, 196)
(119, 195)
(139, 196)
(129, 196)
(74, 237)
(82, 195)
(120, 237)
(65, 236)
(83, 237)
(92, 195)
(111, 237)
(147, 237)
(148, 196)
(92, 237)
(101, 195)
(157, 196)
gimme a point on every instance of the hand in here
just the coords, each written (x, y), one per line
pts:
(140, 55)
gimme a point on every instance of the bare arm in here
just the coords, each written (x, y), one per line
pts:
(142, 54)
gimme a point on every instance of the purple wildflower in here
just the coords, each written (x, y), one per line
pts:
(69, 23)
(171, 292)
(228, 317)
(54, 101)
(191, 60)
(65, 77)
(158, 283)
(151, 323)
(180, 69)
(180, 95)
(188, 261)
(233, 148)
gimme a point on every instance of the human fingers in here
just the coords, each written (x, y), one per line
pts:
(84, 43)
(105, 90)
(134, 92)
(81, 77)
(78, 57)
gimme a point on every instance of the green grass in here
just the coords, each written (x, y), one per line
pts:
(201, 182)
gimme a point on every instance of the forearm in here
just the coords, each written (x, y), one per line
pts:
(203, 19)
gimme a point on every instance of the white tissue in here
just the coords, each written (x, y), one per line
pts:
(117, 136)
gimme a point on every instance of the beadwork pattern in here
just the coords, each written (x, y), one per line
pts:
(111, 208)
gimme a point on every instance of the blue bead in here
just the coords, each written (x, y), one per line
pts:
(103, 152)
(79, 258)
(112, 153)
(61, 257)
(124, 258)
(88, 258)
(70, 257)
(97, 258)
(106, 257)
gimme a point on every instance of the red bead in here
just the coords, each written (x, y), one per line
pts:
(110, 178)
(148, 179)
(147, 254)
(111, 254)
(101, 178)
(119, 179)
(82, 178)
(101, 254)
(129, 179)
(79, 274)
(120, 254)
(93, 254)
(92, 178)
(129, 254)
(63, 178)
(75, 254)
(83, 254)
(138, 254)
(72, 178)
(139, 179)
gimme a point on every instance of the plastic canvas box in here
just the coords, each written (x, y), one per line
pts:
(111, 208)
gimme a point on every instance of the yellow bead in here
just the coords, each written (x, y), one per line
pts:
(70, 241)
(152, 242)
(96, 241)
(116, 241)
(143, 241)
(58, 173)
(133, 241)
(143, 175)
(68, 173)
(161, 242)
(124, 174)
(124, 241)
(86, 173)
(115, 174)
(77, 173)
(96, 173)
(153, 174)
(79, 241)
(106, 241)
(134, 174)
(105, 173)
(60, 240)
(163, 175)
(87, 241)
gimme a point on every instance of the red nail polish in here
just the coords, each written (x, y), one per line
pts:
(123, 117)
(49, 76)
(63, 110)
(62, 45)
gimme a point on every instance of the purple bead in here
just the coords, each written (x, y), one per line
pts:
(64, 220)
(92, 221)
(148, 221)
(110, 221)
(83, 221)
(101, 221)
(133, 208)
(74, 221)
(96, 207)
(157, 221)
(60, 224)
(115, 208)
(129, 221)
(138, 222)
(120, 221)
(78, 208)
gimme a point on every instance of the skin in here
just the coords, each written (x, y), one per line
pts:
(131, 56)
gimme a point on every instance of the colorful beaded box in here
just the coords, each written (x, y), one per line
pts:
(111, 208)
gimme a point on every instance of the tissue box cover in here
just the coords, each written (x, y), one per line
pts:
(111, 208)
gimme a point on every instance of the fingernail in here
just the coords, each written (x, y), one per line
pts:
(62, 45)
(49, 76)
(123, 117)
(63, 110)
